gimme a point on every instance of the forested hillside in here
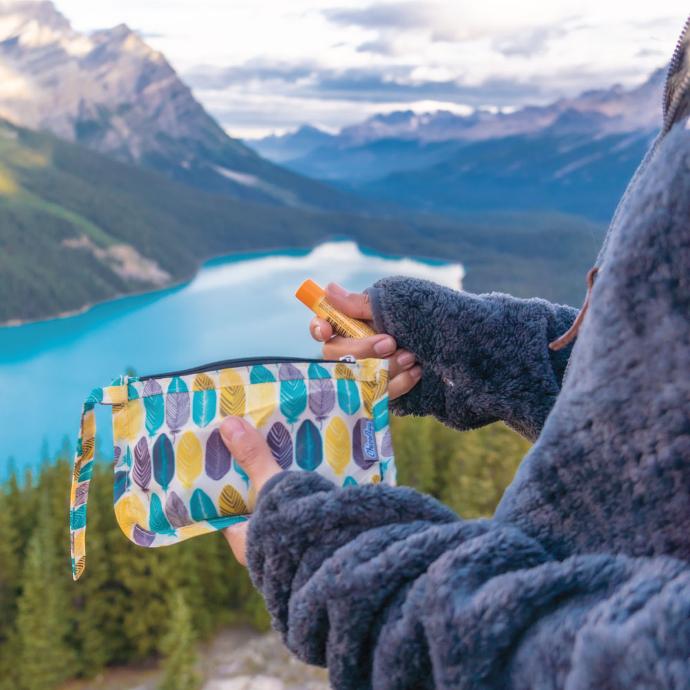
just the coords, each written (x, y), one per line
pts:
(77, 228)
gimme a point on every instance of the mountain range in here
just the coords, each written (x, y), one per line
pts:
(77, 227)
(574, 155)
(111, 92)
(114, 179)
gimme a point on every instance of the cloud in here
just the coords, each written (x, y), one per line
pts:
(528, 43)
(379, 46)
(368, 84)
(395, 15)
(252, 71)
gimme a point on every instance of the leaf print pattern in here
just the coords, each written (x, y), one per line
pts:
(348, 396)
(176, 511)
(321, 397)
(338, 447)
(174, 477)
(141, 472)
(233, 400)
(231, 502)
(293, 392)
(189, 459)
(163, 461)
(280, 443)
(204, 400)
(309, 446)
(158, 522)
(154, 406)
(177, 405)
(262, 395)
(202, 507)
(218, 458)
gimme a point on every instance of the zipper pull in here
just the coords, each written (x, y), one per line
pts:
(348, 358)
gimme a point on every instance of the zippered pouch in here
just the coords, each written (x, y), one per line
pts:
(174, 477)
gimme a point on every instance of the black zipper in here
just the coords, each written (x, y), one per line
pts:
(243, 362)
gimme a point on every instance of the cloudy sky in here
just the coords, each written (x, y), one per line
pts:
(271, 65)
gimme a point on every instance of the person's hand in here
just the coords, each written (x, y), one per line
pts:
(403, 370)
(252, 453)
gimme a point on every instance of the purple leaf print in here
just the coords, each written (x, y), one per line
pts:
(142, 536)
(141, 472)
(289, 372)
(177, 405)
(321, 397)
(176, 511)
(81, 494)
(218, 458)
(387, 444)
(280, 443)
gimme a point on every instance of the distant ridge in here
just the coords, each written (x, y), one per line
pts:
(602, 111)
(574, 155)
(113, 93)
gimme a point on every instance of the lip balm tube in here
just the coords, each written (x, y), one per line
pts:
(314, 297)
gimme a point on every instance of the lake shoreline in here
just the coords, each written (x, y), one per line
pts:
(240, 306)
(209, 261)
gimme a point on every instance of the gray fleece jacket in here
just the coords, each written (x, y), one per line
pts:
(581, 581)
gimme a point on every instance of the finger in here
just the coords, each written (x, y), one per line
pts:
(381, 345)
(355, 304)
(250, 450)
(320, 329)
(404, 382)
(400, 361)
(236, 536)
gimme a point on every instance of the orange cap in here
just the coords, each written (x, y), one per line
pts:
(310, 293)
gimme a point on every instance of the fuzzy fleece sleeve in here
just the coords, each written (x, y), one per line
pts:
(391, 591)
(484, 357)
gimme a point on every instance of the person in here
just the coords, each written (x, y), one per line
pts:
(581, 580)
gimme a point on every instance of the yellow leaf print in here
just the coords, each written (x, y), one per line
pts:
(232, 396)
(130, 511)
(231, 502)
(338, 448)
(189, 459)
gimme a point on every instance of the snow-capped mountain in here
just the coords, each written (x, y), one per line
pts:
(112, 92)
(595, 113)
(574, 155)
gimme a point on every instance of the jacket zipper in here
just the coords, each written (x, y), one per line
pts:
(244, 362)
(673, 94)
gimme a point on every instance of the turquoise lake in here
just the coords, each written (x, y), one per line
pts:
(235, 307)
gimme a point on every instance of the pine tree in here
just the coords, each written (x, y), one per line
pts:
(413, 452)
(44, 658)
(9, 567)
(178, 648)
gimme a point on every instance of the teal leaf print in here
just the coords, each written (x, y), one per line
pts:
(163, 461)
(158, 523)
(348, 396)
(309, 446)
(201, 506)
(380, 414)
(293, 393)
(204, 400)
(154, 406)
(260, 374)
(316, 371)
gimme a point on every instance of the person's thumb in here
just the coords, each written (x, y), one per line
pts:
(250, 450)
